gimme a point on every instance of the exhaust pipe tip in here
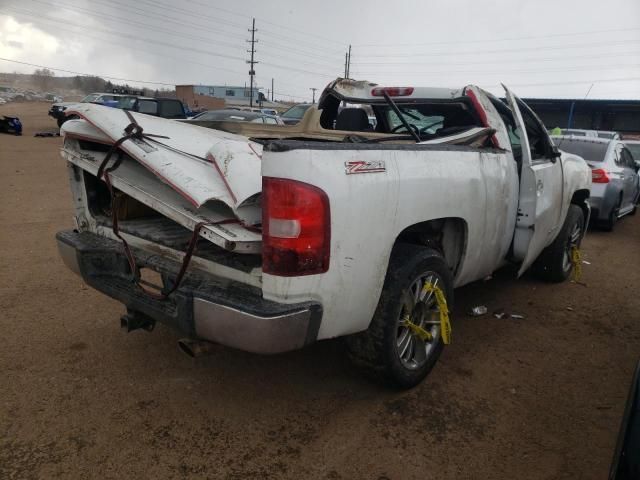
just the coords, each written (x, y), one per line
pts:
(195, 348)
(134, 320)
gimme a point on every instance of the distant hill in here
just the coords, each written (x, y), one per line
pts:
(43, 80)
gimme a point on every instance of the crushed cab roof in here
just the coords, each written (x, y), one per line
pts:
(360, 90)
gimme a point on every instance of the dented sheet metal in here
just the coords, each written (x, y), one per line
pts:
(139, 183)
(201, 164)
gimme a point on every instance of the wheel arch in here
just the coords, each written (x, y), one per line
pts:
(447, 235)
(581, 199)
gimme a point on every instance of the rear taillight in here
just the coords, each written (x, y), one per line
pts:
(392, 91)
(599, 175)
(296, 228)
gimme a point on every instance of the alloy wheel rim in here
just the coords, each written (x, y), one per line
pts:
(420, 308)
(572, 241)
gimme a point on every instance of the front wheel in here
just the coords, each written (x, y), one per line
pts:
(555, 262)
(404, 340)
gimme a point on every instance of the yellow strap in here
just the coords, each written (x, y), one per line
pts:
(441, 301)
(417, 330)
(576, 259)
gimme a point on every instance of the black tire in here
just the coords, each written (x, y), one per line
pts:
(376, 350)
(609, 224)
(554, 263)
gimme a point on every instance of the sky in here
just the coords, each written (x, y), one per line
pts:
(540, 48)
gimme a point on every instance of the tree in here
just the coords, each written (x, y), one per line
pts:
(43, 78)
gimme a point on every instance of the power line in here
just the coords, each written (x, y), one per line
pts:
(129, 46)
(146, 14)
(476, 52)
(111, 77)
(39, 17)
(579, 82)
(88, 74)
(502, 71)
(530, 37)
(245, 16)
(121, 20)
(528, 60)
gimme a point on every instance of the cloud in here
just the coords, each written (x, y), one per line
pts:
(18, 40)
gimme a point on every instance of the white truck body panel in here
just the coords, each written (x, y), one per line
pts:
(369, 211)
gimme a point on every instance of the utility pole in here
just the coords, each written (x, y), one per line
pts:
(349, 62)
(314, 94)
(272, 89)
(346, 61)
(252, 62)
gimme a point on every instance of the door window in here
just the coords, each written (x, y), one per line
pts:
(539, 142)
(627, 159)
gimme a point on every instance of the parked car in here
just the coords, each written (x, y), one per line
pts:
(615, 188)
(634, 148)
(294, 114)
(160, 107)
(576, 132)
(228, 115)
(336, 230)
(57, 110)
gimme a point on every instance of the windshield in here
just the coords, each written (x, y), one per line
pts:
(297, 111)
(90, 98)
(590, 151)
(429, 118)
(634, 148)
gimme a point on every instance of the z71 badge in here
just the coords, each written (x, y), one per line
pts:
(360, 166)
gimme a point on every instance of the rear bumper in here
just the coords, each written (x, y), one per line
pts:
(204, 306)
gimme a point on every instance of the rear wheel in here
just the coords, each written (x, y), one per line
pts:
(554, 263)
(612, 219)
(393, 349)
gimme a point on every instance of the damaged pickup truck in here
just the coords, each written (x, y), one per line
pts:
(271, 240)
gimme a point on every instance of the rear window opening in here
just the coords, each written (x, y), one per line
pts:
(428, 118)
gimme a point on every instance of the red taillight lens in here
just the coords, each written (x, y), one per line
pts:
(392, 91)
(599, 175)
(296, 228)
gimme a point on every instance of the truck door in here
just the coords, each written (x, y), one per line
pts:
(541, 182)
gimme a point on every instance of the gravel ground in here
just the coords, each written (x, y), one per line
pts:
(537, 398)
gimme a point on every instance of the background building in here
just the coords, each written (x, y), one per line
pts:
(217, 96)
(621, 116)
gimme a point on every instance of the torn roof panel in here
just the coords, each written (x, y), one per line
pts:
(199, 163)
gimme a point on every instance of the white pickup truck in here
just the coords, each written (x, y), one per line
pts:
(324, 229)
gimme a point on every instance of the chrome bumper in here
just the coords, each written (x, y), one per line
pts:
(203, 307)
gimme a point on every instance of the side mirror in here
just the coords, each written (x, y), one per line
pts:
(555, 154)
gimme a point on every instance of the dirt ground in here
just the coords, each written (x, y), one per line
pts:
(538, 398)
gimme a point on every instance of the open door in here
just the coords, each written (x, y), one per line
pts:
(540, 201)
